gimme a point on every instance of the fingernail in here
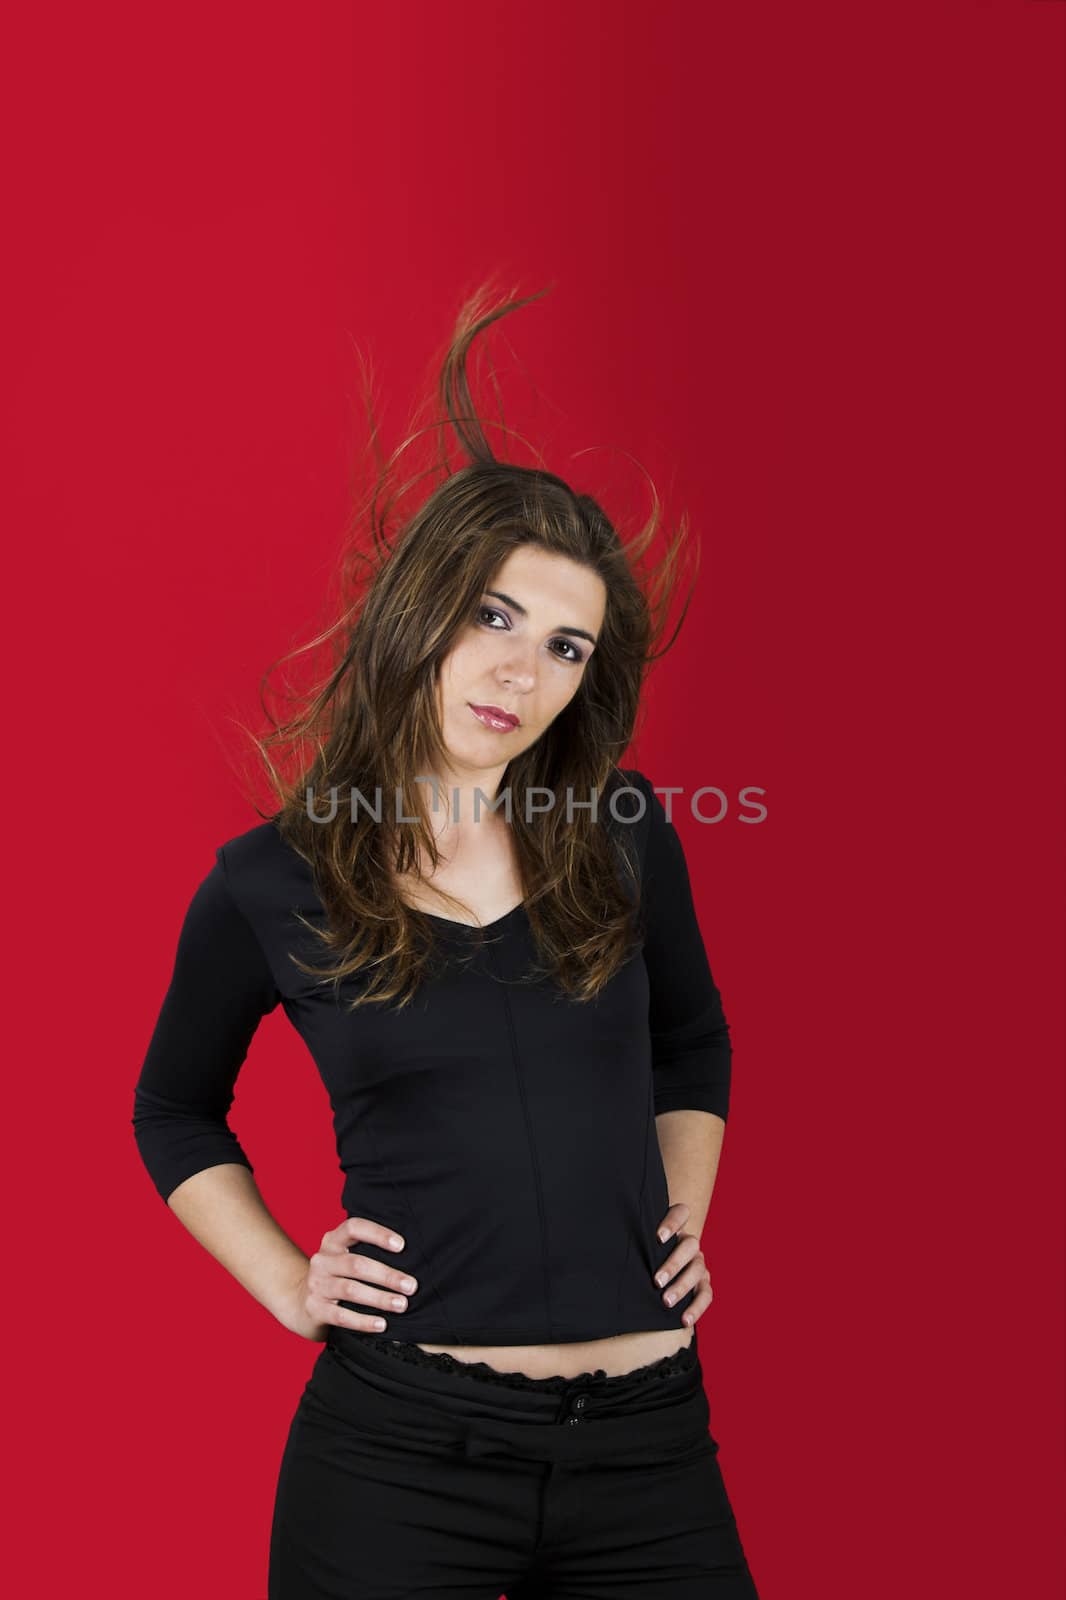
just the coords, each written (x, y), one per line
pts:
(409, 1284)
(669, 1298)
(664, 1234)
(395, 1241)
(399, 1304)
(661, 1279)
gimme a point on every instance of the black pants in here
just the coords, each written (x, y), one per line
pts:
(408, 1475)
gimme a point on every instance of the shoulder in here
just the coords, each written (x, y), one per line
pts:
(634, 798)
(649, 818)
(630, 809)
(265, 875)
(256, 847)
(272, 885)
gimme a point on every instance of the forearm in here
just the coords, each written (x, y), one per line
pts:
(222, 1208)
(691, 1144)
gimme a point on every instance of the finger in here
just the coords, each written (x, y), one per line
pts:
(341, 1317)
(697, 1305)
(362, 1267)
(675, 1218)
(363, 1294)
(362, 1228)
(683, 1252)
(691, 1278)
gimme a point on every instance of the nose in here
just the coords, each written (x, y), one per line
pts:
(519, 672)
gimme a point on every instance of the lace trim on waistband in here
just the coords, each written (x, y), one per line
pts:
(682, 1360)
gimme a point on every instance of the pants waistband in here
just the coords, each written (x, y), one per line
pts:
(394, 1359)
(684, 1359)
(452, 1415)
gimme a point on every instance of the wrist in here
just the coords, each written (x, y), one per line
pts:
(287, 1301)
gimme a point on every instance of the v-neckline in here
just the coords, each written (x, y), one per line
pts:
(474, 927)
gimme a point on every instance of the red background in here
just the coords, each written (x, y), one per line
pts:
(808, 263)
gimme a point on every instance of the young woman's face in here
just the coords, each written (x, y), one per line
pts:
(525, 652)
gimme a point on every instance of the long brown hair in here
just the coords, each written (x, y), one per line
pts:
(371, 724)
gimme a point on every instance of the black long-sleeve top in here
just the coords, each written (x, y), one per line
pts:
(506, 1131)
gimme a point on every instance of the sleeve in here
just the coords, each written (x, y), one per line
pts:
(220, 989)
(692, 1051)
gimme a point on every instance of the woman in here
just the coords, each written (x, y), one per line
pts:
(527, 1061)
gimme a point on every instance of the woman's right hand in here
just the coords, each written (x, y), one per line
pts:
(336, 1273)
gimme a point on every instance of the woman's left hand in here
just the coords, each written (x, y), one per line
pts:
(684, 1268)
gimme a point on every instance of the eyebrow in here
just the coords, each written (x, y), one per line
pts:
(575, 633)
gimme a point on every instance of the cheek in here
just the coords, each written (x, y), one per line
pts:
(563, 691)
(467, 657)
(454, 670)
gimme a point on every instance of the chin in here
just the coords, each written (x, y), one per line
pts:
(470, 753)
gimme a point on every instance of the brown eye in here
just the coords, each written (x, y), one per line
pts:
(577, 656)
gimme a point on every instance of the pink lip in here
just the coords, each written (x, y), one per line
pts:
(495, 717)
